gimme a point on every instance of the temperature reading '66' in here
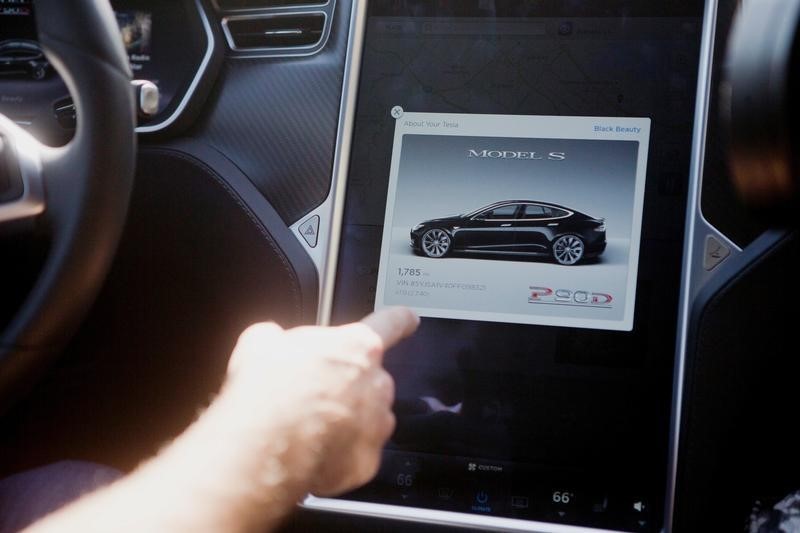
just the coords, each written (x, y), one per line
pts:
(405, 480)
(562, 497)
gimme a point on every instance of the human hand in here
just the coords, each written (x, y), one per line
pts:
(302, 410)
(322, 393)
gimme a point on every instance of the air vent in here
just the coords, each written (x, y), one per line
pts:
(235, 5)
(275, 32)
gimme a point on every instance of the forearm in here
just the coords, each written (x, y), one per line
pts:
(292, 399)
(222, 474)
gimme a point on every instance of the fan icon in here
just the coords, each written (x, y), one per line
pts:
(472, 467)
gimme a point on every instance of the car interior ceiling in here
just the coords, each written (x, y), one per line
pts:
(243, 150)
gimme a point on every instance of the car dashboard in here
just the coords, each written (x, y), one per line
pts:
(170, 44)
(303, 166)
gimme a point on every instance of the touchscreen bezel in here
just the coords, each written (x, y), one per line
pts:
(332, 212)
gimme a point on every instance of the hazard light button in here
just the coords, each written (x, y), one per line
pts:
(309, 230)
(716, 252)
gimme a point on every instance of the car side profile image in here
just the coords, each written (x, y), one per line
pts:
(514, 228)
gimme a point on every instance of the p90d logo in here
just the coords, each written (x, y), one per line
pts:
(575, 298)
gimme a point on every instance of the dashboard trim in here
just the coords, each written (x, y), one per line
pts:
(442, 518)
(692, 255)
(325, 256)
(201, 72)
(332, 210)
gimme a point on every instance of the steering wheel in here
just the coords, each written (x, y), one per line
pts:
(80, 192)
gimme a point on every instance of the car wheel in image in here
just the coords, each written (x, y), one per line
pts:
(568, 249)
(435, 243)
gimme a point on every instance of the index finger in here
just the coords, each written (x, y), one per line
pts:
(392, 324)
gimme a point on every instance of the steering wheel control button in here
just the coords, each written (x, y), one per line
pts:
(309, 230)
(715, 254)
(147, 98)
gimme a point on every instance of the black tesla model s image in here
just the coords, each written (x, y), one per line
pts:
(514, 228)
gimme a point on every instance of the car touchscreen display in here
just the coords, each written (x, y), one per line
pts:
(17, 19)
(136, 28)
(518, 176)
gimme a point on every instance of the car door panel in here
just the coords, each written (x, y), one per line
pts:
(534, 230)
(491, 231)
